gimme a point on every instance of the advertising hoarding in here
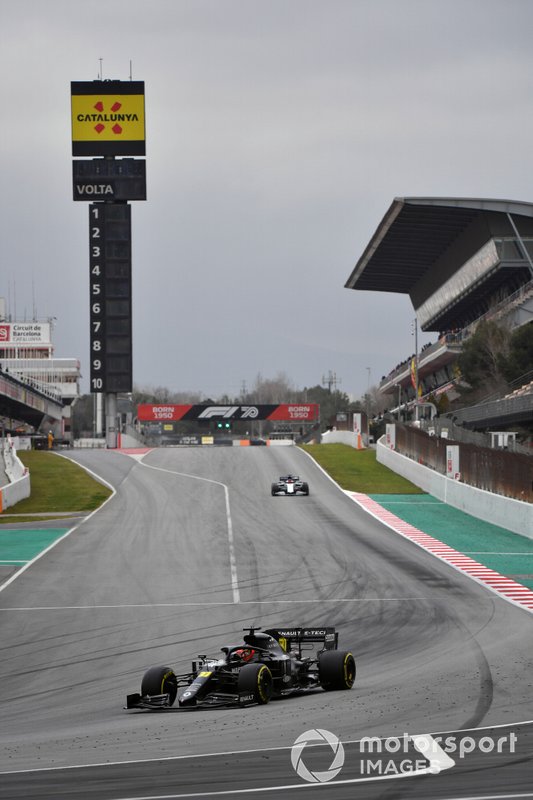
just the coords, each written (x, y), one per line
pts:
(108, 118)
(24, 333)
(288, 412)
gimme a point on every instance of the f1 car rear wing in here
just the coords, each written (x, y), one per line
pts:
(293, 638)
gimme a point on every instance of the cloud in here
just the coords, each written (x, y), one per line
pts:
(277, 135)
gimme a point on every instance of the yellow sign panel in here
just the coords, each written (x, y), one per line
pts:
(107, 117)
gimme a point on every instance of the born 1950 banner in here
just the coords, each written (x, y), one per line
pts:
(289, 412)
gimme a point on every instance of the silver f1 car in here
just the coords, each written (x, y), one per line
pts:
(275, 663)
(290, 484)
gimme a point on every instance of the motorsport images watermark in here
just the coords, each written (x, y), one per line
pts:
(394, 755)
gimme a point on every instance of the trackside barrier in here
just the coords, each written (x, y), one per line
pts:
(19, 486)
(127, 440)
(89, 443)
(513, 515)
(269, 442)
(350, 438)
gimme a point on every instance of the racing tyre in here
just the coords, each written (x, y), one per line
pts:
(256, 680)
(274, 489)
(160, 680)
(336, 670)
(305, 488)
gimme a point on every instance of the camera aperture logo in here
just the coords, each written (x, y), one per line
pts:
(317, 736)
(423, 754)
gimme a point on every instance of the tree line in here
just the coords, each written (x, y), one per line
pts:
(279, 389)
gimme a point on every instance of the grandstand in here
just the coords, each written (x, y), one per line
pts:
(461, 261)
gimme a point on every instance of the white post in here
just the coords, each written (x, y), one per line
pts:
(111, 420)
(99, 414)
(415, 324)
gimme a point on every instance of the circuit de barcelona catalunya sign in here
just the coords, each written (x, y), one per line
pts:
(288, 412)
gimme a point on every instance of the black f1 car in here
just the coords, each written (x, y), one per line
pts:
(290, 484)
(273, 663)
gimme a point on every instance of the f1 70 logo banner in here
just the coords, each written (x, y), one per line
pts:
(287, 412)
(108, 118)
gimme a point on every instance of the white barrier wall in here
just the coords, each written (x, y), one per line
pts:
(513, 515)
(340, 437)
(13, 465)
(21, 443)
(19, 486)
(127, 440)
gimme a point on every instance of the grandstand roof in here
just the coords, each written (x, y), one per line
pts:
(417, 231)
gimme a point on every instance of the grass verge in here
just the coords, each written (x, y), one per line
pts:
(57, 485)
(358, 470)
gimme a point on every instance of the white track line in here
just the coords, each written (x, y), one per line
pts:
(491, 553)
(251, 751)
(222, 603)
(290, 787)
(229, 524)
(71, 530)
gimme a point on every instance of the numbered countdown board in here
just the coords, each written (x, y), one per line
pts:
(110, 293)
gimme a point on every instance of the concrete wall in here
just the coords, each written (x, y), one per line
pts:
(340, 437)
(19, 486)
(513, 515)
(127, 440)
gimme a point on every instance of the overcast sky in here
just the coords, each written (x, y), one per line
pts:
(278, 134)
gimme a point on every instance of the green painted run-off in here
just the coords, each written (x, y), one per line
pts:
(497, 548)
(19, 546)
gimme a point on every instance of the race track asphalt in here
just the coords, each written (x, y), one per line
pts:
(190, 550)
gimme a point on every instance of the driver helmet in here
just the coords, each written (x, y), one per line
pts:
(244, 654)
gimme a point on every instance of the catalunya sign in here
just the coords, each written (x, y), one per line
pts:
(108, 118)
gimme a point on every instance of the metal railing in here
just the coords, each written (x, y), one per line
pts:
(499, 471)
